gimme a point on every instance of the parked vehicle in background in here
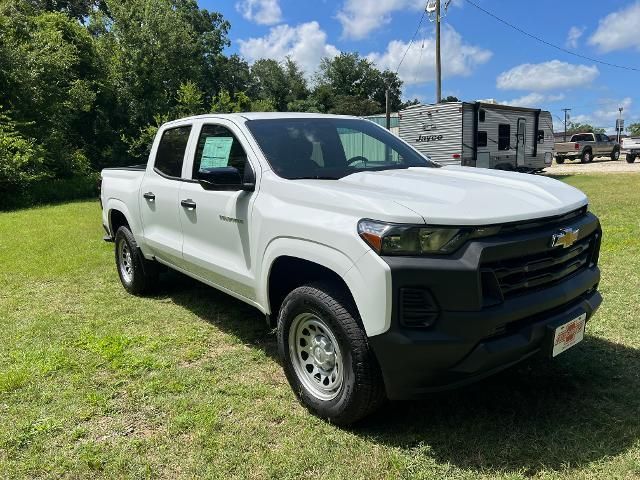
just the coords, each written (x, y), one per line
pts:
(630, 148)
(587, 146)
(483, 135)
(385, 274)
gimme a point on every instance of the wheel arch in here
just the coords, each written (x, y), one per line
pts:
(367, 280)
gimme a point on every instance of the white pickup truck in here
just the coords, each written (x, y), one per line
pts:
(631, 148)
(386, 275)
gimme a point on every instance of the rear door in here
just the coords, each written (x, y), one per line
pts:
(604, 145)
(216, 224)
(160, 195)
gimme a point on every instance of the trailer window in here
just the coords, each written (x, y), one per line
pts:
(481, 116)
(504, 136)
(540, 136)
(482, 139)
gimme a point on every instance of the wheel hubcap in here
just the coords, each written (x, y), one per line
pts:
(316, 357)
(125, 261)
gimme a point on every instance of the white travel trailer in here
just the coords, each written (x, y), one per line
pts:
(477, 134)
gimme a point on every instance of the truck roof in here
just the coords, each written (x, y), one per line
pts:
(259, 116)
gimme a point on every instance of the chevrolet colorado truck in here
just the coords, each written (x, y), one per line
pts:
(385, 275)
(587, 146)
(631, 148)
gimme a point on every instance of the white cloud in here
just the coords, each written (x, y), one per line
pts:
(547, 76)
(459, 58)
(264, 12)
(618, 30)
(605, 114)
(534, 99)
(305, 43)
(573, 36)
(360, 17)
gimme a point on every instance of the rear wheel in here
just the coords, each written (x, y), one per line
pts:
(138, 275)
(587, 157)
(615, 155)
(559, 160)
(630, 158)
(326, 355)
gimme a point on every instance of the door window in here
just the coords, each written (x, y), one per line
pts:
(170, 154)
(218, 148)
(504, 136)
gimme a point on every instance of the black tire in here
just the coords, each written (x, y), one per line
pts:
(361, 390)
(587, 156)
(615, 155)
(143, 274)
(630, 158)
(559, 160)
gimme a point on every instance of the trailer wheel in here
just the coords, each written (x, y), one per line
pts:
(587, 157)
(559, 160)
(630, 158)
(615, 155)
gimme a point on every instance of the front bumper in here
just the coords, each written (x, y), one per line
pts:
(476, 335)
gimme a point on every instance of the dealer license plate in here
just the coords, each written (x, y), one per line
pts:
(568, 334)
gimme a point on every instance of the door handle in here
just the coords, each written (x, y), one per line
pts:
(149, 196)
(188, 204)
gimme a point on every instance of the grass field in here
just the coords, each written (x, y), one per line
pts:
(95, 383)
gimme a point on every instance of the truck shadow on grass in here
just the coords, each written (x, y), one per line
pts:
(541, 415)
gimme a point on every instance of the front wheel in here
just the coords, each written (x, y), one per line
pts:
(326, 355)
(138, 275)
(630, 158)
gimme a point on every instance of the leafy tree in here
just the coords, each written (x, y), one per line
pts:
(352, 105)
(278, 83)
(450, 99)
(230, 73)
(350, 76)
(224, 102)
(262, 106)
(576, 127)
(21, 159)
(634, 129)
(139, 145)
(190, 100)
(307, 105)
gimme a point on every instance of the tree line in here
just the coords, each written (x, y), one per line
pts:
(84, 84)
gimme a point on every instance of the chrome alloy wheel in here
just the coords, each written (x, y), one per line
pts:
(125, 262)
(316, 357)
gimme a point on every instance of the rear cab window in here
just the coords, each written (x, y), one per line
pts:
(171, 151)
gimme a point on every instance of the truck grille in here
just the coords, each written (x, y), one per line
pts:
(520, 275)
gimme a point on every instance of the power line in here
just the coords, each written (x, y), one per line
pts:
(549, 44)
(424, 12)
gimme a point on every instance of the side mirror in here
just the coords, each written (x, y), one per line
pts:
(226, 178)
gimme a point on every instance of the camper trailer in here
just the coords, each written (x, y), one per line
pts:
(483, 135)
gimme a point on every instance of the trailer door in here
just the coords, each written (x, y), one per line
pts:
(521, 145)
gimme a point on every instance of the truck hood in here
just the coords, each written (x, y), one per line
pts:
(464, 195)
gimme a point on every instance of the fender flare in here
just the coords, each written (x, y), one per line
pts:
(374, 312)
(115, 204)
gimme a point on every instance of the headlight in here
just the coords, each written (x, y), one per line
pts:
(393, 239)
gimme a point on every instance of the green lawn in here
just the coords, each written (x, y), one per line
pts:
(96, 383)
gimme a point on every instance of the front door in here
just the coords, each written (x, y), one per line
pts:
(521, 145)
(159, 196)
(215, 224)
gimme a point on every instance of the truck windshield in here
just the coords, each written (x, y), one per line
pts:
(331, 148)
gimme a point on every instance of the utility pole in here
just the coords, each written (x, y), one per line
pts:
(387, 101)
(565, 110)
(438, 60)
(619, 125)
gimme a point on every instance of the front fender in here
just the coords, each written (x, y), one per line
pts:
(368, 279)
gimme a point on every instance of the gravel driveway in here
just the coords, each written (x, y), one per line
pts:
(599, 165)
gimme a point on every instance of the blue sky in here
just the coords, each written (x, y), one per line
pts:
(482, 58)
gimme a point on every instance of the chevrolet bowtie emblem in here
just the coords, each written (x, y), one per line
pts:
(565, 237)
